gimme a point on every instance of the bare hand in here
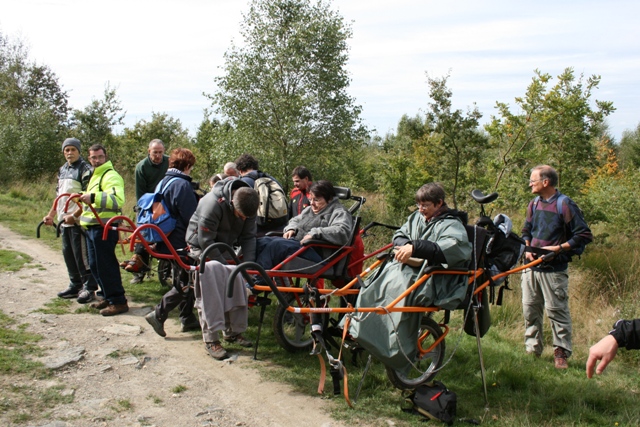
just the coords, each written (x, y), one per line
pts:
(86, 198)
(69, 219)
(403, 253)
(605, 351)
(306, 237)
(47, 220)
(289, 234)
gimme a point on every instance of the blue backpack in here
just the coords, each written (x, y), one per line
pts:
(567, 232)
(153, 210)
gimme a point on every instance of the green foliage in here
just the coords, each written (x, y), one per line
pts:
(629, 152)
(284, 90)
(33, 114)
(94, 124)
(558, 125)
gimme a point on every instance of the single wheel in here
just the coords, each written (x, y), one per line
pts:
(165, 272)
(426, 365)
(293, 330)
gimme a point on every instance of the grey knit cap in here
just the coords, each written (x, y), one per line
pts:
(71, 141)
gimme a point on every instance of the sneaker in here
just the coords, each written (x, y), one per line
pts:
(238, 339)
(68, 293)
(560, 358)
(216, 350)
(114, 309)
(137, 278)
(86, 296)
(193, 325)
(157, 325)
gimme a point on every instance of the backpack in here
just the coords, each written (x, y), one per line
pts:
(273, 209)
(567, 233)
(152, 209)
(434, 401)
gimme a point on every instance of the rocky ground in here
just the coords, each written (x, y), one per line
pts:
(120, 373)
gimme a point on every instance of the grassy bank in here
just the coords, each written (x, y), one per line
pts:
(523, 391)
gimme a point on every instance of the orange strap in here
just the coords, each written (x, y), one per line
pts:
(346, 387)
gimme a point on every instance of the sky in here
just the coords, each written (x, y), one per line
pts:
(162, 55)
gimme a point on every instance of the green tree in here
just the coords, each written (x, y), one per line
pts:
(134, 142)
(95, 123)
(33, 114)
(285, 89)
(215, 144)
(451, 147)
(558, 125)
(630, 149)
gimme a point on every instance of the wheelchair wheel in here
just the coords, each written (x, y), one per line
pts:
(426, 365)
(164, 273)
(293, 330)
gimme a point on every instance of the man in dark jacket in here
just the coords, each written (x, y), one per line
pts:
(546, 286)
(181, 202)
(226, 214)
(299, 197)
(625, 333)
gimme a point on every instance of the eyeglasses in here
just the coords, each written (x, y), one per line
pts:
(531, 181)
(423, 206)
(315, 201)
(101, 156)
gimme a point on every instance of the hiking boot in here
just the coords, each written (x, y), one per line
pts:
(156, 324)
(238, 339)
(86, 296)
(560, 358)
(68, 293)
(100, 304)
(136, 265)
(216, 350)
(114, 309)
(192, 325)
(137, 278)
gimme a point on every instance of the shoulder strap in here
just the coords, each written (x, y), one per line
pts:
(100, 182)
(164, 188)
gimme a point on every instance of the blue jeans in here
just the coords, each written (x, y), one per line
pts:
(74, 251)
(104, 264)
(271, 251)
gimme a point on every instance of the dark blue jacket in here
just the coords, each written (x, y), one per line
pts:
(182, 202)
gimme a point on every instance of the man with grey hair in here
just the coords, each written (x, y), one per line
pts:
(149, 172)
(73, 177)
(230, 169)
(555, 223)
(226, 214)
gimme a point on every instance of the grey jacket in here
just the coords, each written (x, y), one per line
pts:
(214, 221)
(332, 224)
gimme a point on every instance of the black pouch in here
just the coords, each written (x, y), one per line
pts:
(434, 401)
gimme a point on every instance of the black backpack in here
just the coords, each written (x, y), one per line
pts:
(434, 401)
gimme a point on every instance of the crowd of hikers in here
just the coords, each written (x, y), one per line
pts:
(244, 203)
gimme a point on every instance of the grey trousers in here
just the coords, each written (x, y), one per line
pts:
(74, 252)
(218, 312)
(548, 291)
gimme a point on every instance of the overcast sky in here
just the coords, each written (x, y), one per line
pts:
(161, 55)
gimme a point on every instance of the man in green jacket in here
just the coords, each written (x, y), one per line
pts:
(106, 193)
(149, 172)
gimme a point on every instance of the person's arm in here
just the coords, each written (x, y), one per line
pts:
(141, 182)
(625, 333)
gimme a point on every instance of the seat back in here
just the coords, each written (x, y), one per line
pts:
(478, 237)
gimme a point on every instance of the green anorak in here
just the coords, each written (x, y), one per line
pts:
(393, 337)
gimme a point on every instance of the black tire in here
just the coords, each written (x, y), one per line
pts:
(426, 365)
(293, 330)
(165, 273)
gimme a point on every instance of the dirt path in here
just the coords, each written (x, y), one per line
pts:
(146, 368)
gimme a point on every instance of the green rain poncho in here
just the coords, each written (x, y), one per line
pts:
(382, 335)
